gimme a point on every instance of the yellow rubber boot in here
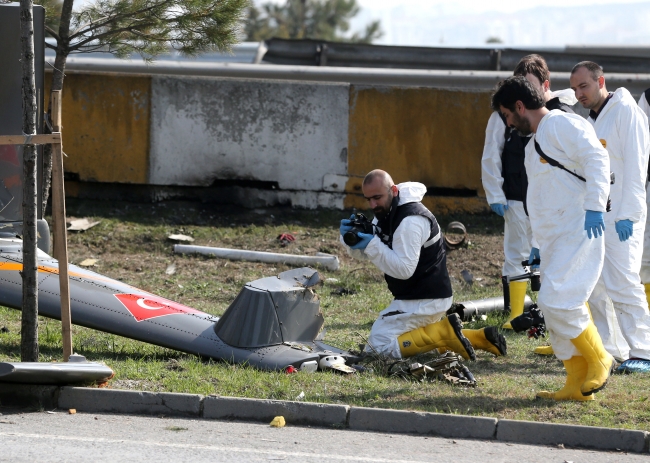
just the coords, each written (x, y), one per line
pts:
(544, 350)
(599, 362)
(488, 339)
(576, 372)
(517, 296)
(445, 333)
(647, 291)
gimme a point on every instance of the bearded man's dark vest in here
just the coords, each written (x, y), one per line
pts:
(515, 181)
(430, 279)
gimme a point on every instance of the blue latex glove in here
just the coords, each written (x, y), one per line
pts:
(345, 225)
(534, 254)
(365, 239)
(499, 209)
(624, 229)
(594, 224)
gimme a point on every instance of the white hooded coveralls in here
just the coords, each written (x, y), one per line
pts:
(400, 262)
(645, 260)
(516, 231)
(517, 234)
(570, 262)
(622, 128)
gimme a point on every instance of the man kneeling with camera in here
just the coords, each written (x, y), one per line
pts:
(405, 242)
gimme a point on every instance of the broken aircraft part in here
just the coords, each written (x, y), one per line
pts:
(271, 325)
(328, 261)
(54, 373)
(472, 309)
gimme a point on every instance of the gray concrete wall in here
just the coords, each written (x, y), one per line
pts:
(208, 129)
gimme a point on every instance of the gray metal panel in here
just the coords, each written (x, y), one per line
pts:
(250, 321)
(54, 373)
(299, 313)
(11, 104)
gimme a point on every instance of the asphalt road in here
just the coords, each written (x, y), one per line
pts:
(59, 436)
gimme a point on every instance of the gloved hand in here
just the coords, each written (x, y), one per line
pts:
(594, 224)
(624, 229)
(534, 254)
(345, 225)
(363, 242)
(499, 209)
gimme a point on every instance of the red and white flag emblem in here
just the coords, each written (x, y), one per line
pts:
(146, 307)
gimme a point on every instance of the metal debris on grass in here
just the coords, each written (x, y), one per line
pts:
(80, 224)
(285, 239)
(181, 238)
(343, 292)
(88, 262)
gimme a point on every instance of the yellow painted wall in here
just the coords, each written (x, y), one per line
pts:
(429, 135)
(106, 126)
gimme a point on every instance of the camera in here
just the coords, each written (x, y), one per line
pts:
(360, 224)
(531, 321)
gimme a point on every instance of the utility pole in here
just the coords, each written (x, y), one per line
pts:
(29, 323)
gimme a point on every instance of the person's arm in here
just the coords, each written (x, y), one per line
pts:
(401, 261)
(491, 160)
(635, 140)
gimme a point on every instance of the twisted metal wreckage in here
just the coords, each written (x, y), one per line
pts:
(275, 323)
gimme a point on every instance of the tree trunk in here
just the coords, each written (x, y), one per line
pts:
(62, 51)
(29, 323)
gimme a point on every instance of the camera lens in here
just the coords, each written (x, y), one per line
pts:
(350, 238)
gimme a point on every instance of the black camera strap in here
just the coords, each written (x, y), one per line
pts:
(555, 163)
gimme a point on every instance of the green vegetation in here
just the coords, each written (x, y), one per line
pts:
(307, 19)
(131, 244)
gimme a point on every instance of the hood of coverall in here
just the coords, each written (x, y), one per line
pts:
(411, 192)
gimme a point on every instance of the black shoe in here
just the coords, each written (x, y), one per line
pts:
(492, 334)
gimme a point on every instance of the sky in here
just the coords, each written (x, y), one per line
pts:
(531, 23)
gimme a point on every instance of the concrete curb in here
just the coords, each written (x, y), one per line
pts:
(438, 424)
(528, 432)
(326, 415)
(265, 410)
(119, 401)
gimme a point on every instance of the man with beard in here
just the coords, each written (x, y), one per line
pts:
(622, 128)
(409, 249)
(568, 185)
(504, 178)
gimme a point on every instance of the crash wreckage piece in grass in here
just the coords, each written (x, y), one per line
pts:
(448, 368)
(55, 373)
(272, 324)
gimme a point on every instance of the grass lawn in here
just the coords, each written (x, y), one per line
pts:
(131, 244)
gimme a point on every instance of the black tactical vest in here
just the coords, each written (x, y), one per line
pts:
(515, 181)
(430, 279)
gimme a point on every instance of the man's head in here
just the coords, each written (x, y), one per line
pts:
(515, 97)
(379, 189)
(535, 70)
(588, 82)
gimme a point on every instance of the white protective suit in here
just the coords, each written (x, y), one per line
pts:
(516, 231)
(400, 262)
(622, 128)
(517, 234)
(570, 262)
(645, 260)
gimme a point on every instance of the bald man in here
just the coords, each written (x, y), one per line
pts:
(407, 246)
